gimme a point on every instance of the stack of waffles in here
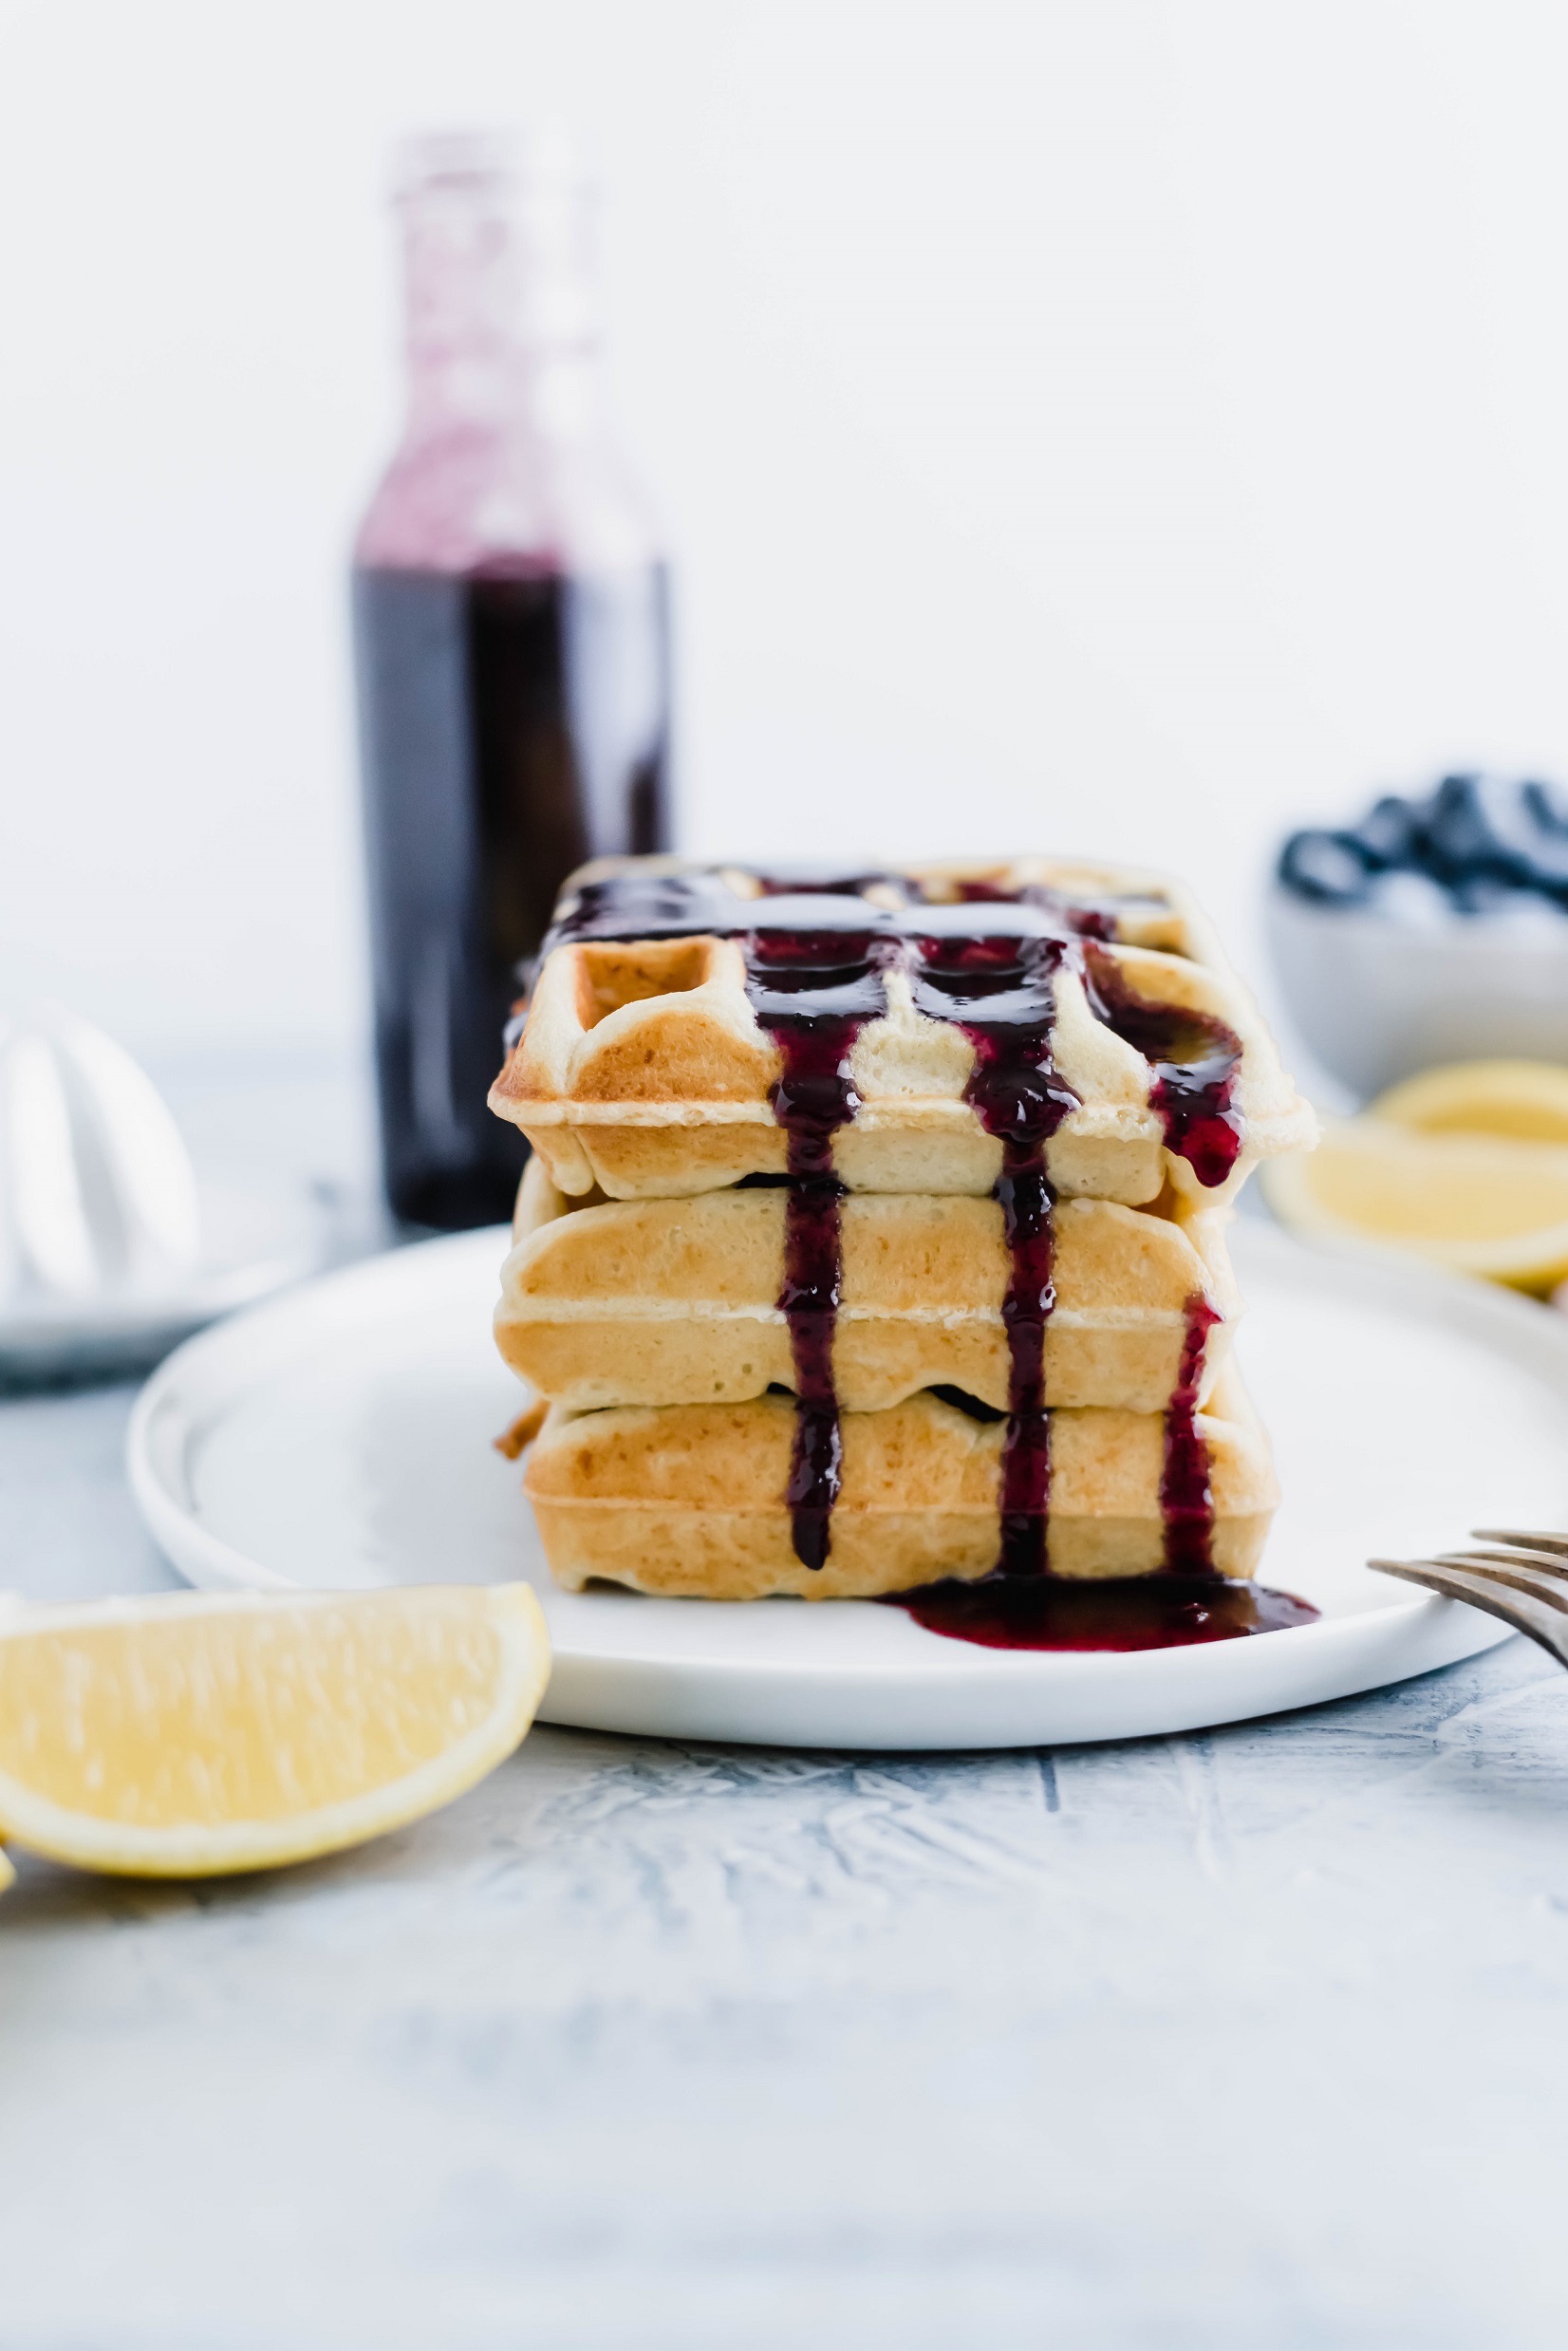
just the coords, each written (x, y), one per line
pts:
(874, 1233)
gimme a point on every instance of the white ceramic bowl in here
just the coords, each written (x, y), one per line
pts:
(1377, 1000)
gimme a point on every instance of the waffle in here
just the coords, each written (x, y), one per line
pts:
(875, 1231)
(664, 1302)
(687, 1499)
(646, 1070)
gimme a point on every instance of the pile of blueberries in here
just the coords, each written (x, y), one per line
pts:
(1477, 844)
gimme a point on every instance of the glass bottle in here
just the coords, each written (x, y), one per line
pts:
(511, 623)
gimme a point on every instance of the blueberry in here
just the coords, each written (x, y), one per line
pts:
(1546, 808)
(1481, 893)
(1481, 838)
(1413, 900)
(1331, 868)
(1388, 837)
(1485, 828)
(1539, 835)
(1461, 840)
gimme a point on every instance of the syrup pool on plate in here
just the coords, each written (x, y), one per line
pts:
(1121, 1612)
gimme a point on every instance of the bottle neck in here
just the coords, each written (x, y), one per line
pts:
(503, 323)
(508, 453)
(536, 398)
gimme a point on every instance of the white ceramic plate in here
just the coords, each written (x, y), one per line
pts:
(341, 1436)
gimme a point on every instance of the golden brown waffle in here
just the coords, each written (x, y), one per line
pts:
(676, 1301)
(688, 1500)
(947, 1151)
(643, 1070)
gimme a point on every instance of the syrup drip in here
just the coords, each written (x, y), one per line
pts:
(1194, 1057)
(1186, 1503)
(1118, 1613)
(1002, 991)
(814, 992)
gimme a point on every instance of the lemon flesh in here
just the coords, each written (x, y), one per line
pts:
(1479, 1204)
(1526, 1100)
(190, 1733)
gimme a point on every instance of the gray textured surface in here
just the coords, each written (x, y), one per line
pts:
(1253, 2039)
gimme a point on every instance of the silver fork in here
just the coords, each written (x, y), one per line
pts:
(1524, 1579)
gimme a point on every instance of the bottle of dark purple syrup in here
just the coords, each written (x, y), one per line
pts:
(510, 622)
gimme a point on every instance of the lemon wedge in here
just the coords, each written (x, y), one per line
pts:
(1478, 1203)
(1524, 1100)
(183, 1734)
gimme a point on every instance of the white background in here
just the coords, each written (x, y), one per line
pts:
(1116, 427)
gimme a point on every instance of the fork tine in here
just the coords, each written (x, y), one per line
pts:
(1557, 1543)
(1545, 1583)
(1519, 1608)
(1515, 1555)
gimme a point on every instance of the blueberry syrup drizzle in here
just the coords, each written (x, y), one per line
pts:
(639, 904)
(1194, 1057)
(814, 992)
(1186, 1502)
(1002, 992)
(645, 905)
